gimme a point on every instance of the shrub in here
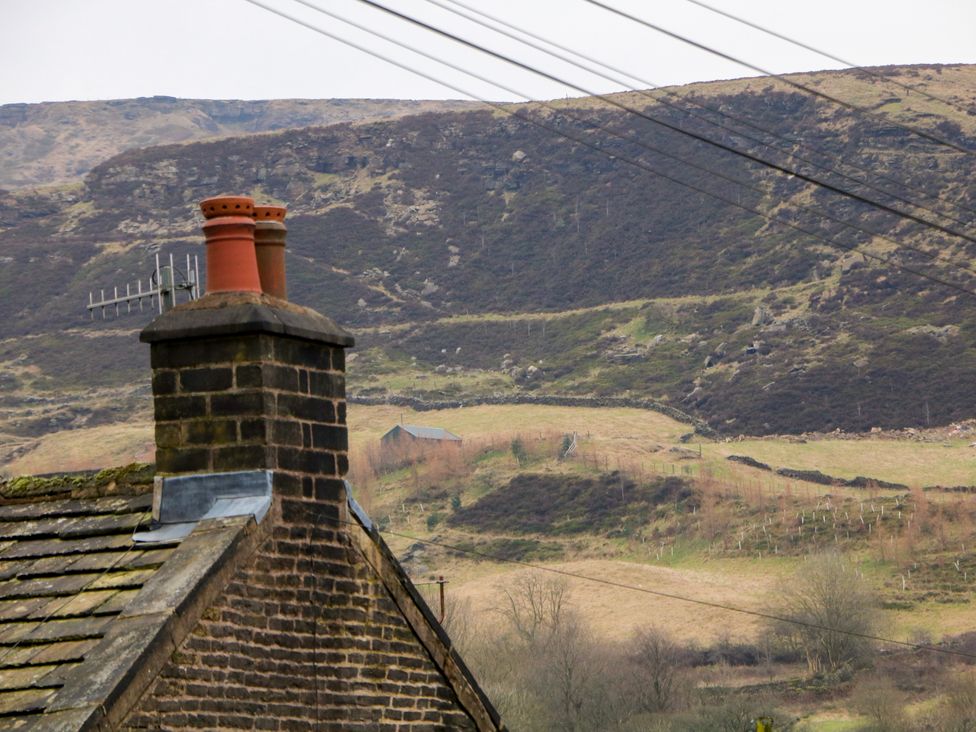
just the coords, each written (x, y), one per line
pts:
(827, 611)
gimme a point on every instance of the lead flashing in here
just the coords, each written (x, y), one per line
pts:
(181, 502)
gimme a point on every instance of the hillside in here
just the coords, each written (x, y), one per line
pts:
(57, 142)
(475, 253)
(635, 525)
(636, 508)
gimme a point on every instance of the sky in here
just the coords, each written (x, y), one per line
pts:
(56, 50)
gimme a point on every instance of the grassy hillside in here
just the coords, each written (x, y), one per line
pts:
(631, 479)
(475, 254)
(693, 529)
(56, 142)
(637, 506)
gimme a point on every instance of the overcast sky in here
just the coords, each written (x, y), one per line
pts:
(229, 49)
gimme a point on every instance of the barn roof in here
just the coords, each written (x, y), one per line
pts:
(428, 433)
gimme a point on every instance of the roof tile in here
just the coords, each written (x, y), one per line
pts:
(101, 561)
(52, 547)
(22, 608)
(24, 678)
(117, 602)
(11, 569)
(75, 507)
(58, 652)
(45, 566)
(68, 567)
(54, 629)
(84, 603)
(46, 586)
(129, 579)
(31, 700)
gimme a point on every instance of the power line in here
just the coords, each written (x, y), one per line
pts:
(635, 588)
(816, 211)
(603, 581)
(598, 148)
(783, 78)
(858, 67)
(675, 128)
(684, 101)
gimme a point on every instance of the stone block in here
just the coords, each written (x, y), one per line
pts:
(248, 376)
(209, 432)
(330, 437)
(323, 384)
(182, 460)
(305, 461)
(206, 379)
(303, 353)
(241, 403)
(240, 457)
(170, 408)
(306, 408)
(164, 382)
(180, 354)
(282, 378)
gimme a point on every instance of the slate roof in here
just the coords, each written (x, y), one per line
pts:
(84, 608)
(427, 433)
(67, 569)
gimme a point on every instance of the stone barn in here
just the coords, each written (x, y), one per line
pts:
(411, 434)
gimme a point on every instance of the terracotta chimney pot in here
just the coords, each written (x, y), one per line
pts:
(231, 260)
(269, 244)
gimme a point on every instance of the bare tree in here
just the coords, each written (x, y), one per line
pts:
(458, 621)
(829, 610)
(556, 675)
(571, 672)
(655, 658)
(734, 713)
(534, 605)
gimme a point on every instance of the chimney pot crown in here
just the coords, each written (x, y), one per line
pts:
(270, 213)
(227, 206)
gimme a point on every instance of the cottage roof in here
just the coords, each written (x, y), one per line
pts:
(68, 570)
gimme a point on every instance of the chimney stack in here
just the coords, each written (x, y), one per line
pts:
(243, 380)
(269, 244)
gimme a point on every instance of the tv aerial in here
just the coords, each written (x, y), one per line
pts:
(164, 283)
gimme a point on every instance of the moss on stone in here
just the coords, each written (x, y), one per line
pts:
(28, 486)
(128, 479)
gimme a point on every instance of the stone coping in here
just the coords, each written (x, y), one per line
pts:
(422, 620)
(239, 313)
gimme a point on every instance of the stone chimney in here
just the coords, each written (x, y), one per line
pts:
(286, 610)
(244, 380)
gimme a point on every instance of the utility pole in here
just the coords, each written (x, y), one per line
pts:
(440, 582)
